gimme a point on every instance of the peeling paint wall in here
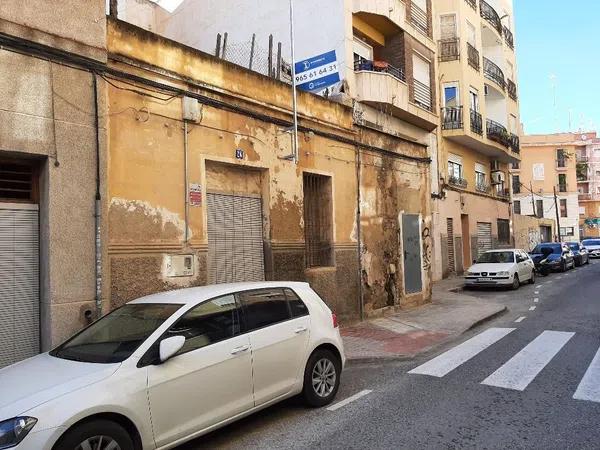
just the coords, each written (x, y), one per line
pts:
(147, 190)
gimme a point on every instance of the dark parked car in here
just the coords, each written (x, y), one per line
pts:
(559, 256)
(593, 247)
(580, 253)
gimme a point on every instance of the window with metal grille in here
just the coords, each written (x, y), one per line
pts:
(539, 208)
(318, 211)
(17, 182)
(503, 231)
(517, 207)
(563, 207)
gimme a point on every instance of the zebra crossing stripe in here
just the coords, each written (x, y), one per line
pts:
(450, 360)
(589, 387)
(522, 368)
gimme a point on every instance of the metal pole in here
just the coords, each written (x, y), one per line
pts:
(359, 237)
(252, 50)
(224, 46)
(532, 199)
(270, 74)
(294, 94)
(218, 47)
(278, 69)
(185, 179)
(97, 205)
(557, 217)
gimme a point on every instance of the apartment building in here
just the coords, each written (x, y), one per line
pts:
(588, 185)
(382, 55)
(478, 136)
(549, 165)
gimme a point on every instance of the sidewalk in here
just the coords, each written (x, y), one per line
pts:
(406, 334)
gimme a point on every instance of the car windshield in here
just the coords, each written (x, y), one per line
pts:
(573, 245)
(496, 257)
(591, 242)
(117, 335)
(556, 248)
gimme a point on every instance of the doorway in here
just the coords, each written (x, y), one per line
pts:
(466, 240)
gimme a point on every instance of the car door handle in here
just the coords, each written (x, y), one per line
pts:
(240, 349)
(300, 330)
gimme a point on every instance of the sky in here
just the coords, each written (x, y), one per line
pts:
(558, 42)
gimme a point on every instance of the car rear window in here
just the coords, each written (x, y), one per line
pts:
(264, 307)
(297, 306)
(556, 248)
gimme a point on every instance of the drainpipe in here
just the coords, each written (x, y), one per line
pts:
(97, 205)
(185, 180)
(358, 233)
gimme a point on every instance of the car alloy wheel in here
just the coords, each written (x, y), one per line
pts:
(99, 443)
(323, 377)
(532, 279)
(516, 283)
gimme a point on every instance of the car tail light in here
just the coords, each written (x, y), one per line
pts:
(334, 319)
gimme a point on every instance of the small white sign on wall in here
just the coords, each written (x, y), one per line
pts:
(538, 172)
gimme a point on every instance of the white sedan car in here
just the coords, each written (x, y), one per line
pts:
(167, 368)
(501, 268)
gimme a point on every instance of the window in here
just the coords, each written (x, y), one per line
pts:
(455, 170)
(297, 306)
(362, 50)
(516, 184)
(539, 208)
(210, 322)
(512, 124)
(471, 34)
(567, 231)
(451, 98)
(563, 207)
(421, 88)
(264, 307)
(561, 160)
(474, 99)
(19, 182)
(517, 207)
(318, 229)
(448, 26)
(582, 210)
(503, 231)
(538, 172)
(562, 182)
(480, 179)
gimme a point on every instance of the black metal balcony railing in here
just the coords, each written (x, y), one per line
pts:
(584, 196)
(473, 57)
(452, 118)
(494, 73)
(515, 166)
(422, 95)
(503, 193)
(483, 188)
(498, 133)
(419, 19)
(515, 144)
(508, 37)
(490, 14)
(561, 163)
(562, 188)
(511, 88)
(582, 158)
(449, 49)
(458, 181)
(379, 66)
(472, 4)
(476, 123)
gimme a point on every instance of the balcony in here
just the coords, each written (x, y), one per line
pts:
(502, 193)
(584, 196)
(498, 133)
(511, 88)
(582, 158)
(491, 16)
(458, 182)
(492, 72)
(473, 57)
(449, 49)
(484, 188)
(387, 16)
(472, 4)
(514, 145)
(452, 118)
(476, 123)
(419, 19)
(382, 86)
(508, 37)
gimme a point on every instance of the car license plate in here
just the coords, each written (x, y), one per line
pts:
(482, 280)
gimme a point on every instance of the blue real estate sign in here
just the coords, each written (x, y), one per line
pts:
(317, 73)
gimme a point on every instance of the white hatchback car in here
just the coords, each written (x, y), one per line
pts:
(169, 367)
(507, 267)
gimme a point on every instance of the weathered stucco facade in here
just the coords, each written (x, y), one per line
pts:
(48, 124)
(238, 146)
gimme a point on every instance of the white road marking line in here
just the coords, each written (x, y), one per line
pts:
(538, 286)
(522, 368)
(532, 308)
(350, 399)
(536, 292)
(520, 319)
(536, 299)
(450, 360)
(589, 387)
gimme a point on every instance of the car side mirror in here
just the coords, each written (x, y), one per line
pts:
(169, 347)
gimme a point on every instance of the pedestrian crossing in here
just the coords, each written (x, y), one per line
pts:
(519, 371)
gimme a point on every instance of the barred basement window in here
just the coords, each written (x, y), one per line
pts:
(517, 207)
(503, 231)
(318, 211)
(18, 182)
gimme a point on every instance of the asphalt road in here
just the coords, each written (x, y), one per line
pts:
(531, 373)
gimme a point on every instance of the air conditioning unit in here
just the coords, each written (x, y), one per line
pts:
(497, 178)
(495, 165)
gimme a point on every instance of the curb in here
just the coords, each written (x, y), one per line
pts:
(400, 358)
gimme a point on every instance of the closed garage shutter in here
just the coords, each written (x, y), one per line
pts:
(450, 244)
(19, 283)
(235, 239)
(484, 237)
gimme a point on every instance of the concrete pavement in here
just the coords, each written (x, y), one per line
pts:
(409, 333)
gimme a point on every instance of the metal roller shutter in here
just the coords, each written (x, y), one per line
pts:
(235, 239)
(450, 244)
(484, 237)
(19, 283)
